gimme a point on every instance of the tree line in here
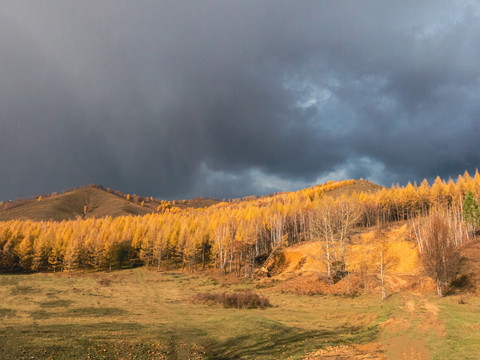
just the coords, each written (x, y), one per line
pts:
(233, 237)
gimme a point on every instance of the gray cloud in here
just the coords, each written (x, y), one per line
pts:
(179, 99)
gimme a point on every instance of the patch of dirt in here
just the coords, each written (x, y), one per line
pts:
(410, 306)
(400, 324)
(431, 308)
(370, 351)
(405, 348)
(304, 258)
(308, 258)
(305, 285)
(401, 342)
(430, 318)
(418, 283)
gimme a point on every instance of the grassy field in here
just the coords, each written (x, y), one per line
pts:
(462, 323)
(142, 314)
(147, 315)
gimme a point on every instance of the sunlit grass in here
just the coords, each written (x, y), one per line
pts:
(462, 325)
(143, 314)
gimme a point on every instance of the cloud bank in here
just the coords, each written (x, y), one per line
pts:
(184, 99)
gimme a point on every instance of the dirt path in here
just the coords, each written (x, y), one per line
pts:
(405, 335)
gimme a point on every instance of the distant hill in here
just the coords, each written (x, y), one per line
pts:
(358, 187)
(71, 205)
(199, 202)
(339, 188)
(96, 201)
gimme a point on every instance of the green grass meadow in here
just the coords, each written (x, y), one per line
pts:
(143, 314)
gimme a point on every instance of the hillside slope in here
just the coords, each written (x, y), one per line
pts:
(100, 203)
(70, 206)
(308, 258)
(301, 268)
(357, 187)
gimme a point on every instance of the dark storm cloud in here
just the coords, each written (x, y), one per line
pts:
(179, 99)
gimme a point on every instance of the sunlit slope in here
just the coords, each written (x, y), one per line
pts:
(71, 205)
(309, 258)
(356, 186)
(99, 203)
(302, 268)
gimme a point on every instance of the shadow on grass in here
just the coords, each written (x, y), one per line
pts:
(76, 312)
(73, 341)
(24, 290)
(261, 339)
(7, 313)
(284, 342)
(8, 280)
(96, 311)
(55, 303)
(106, 340)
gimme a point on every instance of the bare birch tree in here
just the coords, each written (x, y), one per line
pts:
(332, 223)
(439, 240)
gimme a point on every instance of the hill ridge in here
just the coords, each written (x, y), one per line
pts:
(97, 201)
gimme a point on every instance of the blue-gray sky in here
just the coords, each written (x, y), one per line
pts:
(179, 99)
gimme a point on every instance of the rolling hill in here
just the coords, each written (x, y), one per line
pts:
(100, 203)
(71, 205)
(358, 187)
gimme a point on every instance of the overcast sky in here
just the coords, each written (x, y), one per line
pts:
(179, 99)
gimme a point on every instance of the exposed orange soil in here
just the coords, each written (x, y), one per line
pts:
(309, 257)
(302, 268)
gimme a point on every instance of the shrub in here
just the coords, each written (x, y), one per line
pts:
(244, 300)
(104, 281)
(462, 301)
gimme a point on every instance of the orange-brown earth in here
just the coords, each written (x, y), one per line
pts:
(302, 268)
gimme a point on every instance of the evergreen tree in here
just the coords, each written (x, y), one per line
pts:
(471, 213)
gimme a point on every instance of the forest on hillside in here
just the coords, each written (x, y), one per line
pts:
(237, 237)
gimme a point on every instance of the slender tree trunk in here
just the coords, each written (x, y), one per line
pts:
(328, 263)
(445, 271)
(224, 262)
(159, 260)
(221, 258)
(439, 288)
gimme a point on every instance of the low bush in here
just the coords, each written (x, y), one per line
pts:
(104, 281)
(243, 300)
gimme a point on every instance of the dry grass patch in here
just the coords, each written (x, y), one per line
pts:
(238, 300)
